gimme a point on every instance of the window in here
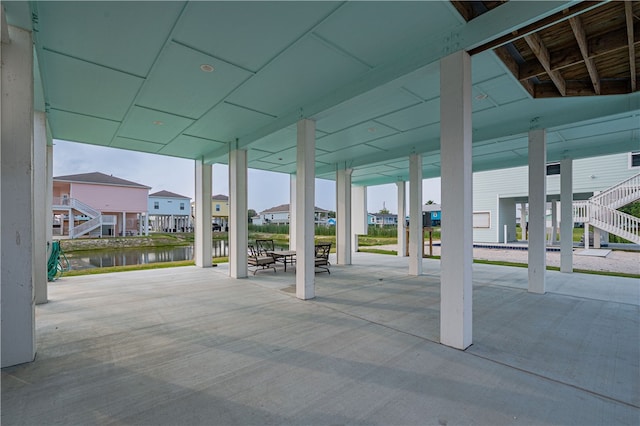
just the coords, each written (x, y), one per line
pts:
(634, 159)
(181, 206)
(553, 169)
(217, 207)
(156, 205)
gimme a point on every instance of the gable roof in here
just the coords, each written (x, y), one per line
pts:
(99, 179)
(284, 208)
(431, 207)
(167, 194)
(220, 197)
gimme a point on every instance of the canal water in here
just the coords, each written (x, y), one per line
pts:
(121, 257)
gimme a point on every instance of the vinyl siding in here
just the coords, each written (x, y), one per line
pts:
(490, 186)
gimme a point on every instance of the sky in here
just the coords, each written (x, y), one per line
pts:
(177, 175)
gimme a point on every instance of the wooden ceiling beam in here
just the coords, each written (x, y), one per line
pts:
(542, 53)
(504, 55)
(537, 26)
(597, 46)
(582, 88)
(628, 11)
(581, 38)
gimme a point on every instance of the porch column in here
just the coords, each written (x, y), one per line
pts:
(292, 212)
(523, 220)
(596, 238)
(343, 216)
(146, 224)
(202, 233)
(49, 208)
(402, 214)
(586, 232)
(72, 222)
(305, 200)
(554, 222)
(359, 225)
(416, 246)
(537, 210)
(566, 215)
(41, 210)
(238, 220)
(456, 286)
(124, 223)
(17, 199)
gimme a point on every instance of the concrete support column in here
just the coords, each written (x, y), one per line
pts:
(343, 216)
(292, 212)
(40, 211)
(305, 206)
(416, 246)
(146, 224)
(202, 247)
(359, 225)
(124, 224)
(537, 210)
(456, 286)
(72, 223)
(523, 220)
(49, 208)
(596, 237)
(17, 199)
(238, 220)
(586, 234)
(554, 222)
(566, 215)
(402, 214)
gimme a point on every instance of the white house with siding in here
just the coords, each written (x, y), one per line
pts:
(279, 215)
(498, 194)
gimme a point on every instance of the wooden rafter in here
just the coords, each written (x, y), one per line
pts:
(581, 38)
(628, 11)
(597, 46)
(536, 26)
(590, 48)
(542, 53)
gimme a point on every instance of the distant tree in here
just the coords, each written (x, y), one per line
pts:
(429, 202)
(384, 210)
(331, 214)
(633, 209)
(252, 213)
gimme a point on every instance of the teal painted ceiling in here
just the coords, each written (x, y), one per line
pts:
(186, 79)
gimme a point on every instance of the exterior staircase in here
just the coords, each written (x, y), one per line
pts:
(600, 211)
(95, 222)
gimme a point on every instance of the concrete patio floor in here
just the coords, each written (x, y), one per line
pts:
(190, 346)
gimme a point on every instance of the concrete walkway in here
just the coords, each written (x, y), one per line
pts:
(190, 346)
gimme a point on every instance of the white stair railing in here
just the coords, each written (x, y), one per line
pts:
(581, 211)
(86, 227)
(620, 194)
(84, 208)
(615, 222)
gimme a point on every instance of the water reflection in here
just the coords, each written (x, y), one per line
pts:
(121, 257)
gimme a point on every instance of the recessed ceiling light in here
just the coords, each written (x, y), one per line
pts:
(206, 68)
(372, 129)
(158, 123)
(482, 96)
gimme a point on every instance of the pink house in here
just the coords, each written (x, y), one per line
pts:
(97, 204)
